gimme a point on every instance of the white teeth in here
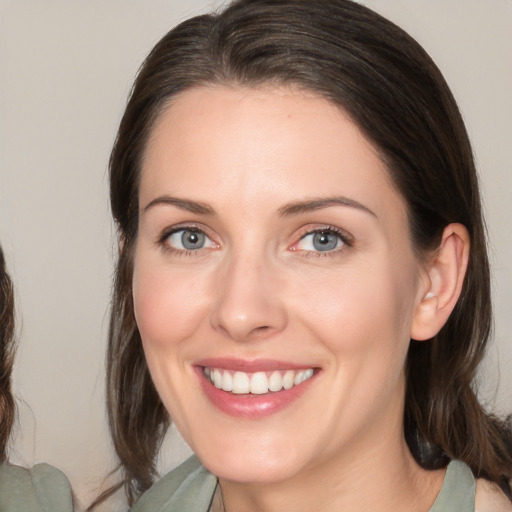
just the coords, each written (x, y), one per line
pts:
(302, 376)
(227, 382)
(288, 379)
(275, 382)
(217, 378)
(308, 374)
(258, 383)
(241, 385)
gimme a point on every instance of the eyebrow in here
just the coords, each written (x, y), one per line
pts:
(182, 204)
(294, 208)
(310, 205)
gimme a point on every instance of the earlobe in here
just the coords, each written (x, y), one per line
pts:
(443, 280)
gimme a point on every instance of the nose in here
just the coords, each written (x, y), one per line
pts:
(248, 304)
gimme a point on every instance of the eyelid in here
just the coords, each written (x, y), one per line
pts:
(346, 238)
(164, 235)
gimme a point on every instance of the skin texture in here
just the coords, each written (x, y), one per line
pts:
(490, 498)
(258, 289)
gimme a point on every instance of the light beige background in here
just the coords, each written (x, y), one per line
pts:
(66, 67)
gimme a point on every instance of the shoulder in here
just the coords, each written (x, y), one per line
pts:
(189, 487)
(40, 489)
(490, 498)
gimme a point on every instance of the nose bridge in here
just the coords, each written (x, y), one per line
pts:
(247, 303)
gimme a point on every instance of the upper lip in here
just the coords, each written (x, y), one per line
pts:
(251, 365)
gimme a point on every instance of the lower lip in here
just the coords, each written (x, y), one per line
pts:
(252, 406)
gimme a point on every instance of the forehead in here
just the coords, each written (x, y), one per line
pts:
(269, 141)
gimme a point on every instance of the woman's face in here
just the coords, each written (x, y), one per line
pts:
(273, 257)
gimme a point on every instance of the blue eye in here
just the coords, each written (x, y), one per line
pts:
(322, 241)
(188, 240)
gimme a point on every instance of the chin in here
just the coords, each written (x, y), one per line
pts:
(255, 466)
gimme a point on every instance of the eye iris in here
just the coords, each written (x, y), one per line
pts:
(192, 239)
(324, 241)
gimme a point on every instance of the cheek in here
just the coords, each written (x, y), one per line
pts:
(167, 305)
(363, 312)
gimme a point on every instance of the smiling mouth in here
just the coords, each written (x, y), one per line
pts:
(257, 383)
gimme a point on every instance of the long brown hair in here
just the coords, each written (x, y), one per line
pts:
(7, 348)
(397, 96)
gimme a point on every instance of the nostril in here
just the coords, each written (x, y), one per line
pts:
(261, 330)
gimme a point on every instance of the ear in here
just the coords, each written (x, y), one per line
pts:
(442, 283)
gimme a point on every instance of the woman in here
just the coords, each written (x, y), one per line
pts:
(43, 488)
(302, 284)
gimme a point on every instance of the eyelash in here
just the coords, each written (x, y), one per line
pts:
(343, 236)
(346, 240)
(166, 247)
